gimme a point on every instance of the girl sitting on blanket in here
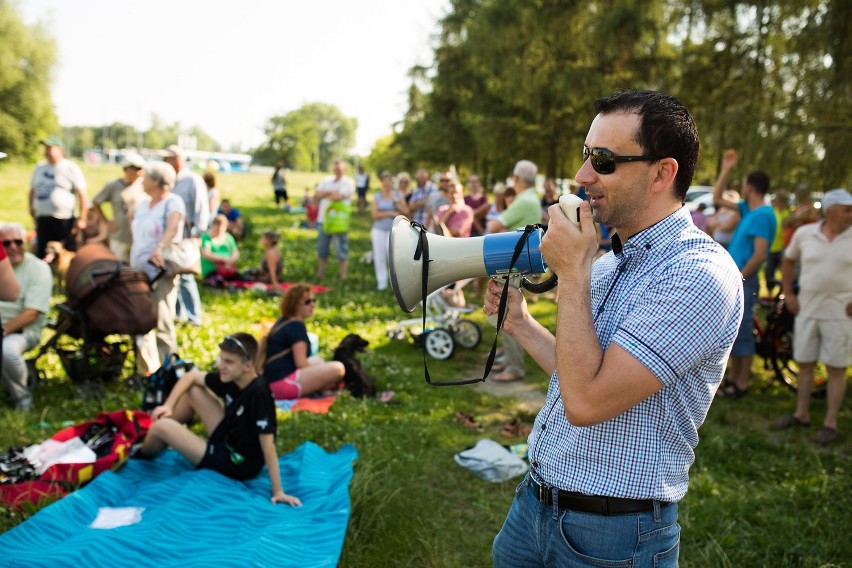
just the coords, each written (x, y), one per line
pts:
(219, 253)
(272, 265)
(284, 352)
(241, 433)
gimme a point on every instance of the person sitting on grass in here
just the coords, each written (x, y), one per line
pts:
(236, 226)
(272, 266)
(241, 431)
(285, 360)
(219, 253)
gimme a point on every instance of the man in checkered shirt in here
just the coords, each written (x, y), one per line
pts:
(642, 338)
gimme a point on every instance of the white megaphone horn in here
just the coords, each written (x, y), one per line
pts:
(452, 259)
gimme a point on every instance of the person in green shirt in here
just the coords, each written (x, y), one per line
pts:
(524, 210)
(219, 252)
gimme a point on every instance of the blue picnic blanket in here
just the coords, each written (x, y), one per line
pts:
(195, 517)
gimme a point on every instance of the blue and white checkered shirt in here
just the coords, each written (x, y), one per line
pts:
(672, 298)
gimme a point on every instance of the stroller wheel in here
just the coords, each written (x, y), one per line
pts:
(467, 334)
(439, 343)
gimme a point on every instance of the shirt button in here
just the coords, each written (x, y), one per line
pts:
(535, 464)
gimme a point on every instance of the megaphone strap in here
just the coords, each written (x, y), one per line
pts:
(422, 250)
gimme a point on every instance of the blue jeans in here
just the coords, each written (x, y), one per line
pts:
(539, 535)
(744, 343)
(188, 301)
(324, 240)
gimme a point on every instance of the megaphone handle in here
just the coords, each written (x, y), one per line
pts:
(515, 282)
(570, 205)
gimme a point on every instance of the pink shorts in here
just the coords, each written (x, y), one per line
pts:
(287, 388)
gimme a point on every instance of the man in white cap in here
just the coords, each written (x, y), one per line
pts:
(823, 308)
(122, 194)
(56, 185)
(191, 188)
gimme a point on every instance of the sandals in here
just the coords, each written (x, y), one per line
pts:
(515, 429)
(505, 377)
(790, 421)
(731, 390)
(827, 436)
(467, 420)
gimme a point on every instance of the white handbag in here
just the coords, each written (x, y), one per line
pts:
(183, 257)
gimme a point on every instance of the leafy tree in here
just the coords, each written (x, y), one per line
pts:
(308, 138)
(27, 56)
(516, 79)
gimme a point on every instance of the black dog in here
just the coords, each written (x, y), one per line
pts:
(357, 381)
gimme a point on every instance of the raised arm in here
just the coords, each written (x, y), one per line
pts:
(728, 163)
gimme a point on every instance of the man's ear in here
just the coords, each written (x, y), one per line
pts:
(664, 174)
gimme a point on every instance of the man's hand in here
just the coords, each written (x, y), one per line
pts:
(730, 159)
(516, 305)
(162, 411)
(792, 303)
(282, 497)
(566, 248)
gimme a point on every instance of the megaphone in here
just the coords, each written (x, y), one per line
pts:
(452, 259)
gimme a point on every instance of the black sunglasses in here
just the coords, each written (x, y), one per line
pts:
(233, 340)
(310, 301)
(9, 242)
(603, 161)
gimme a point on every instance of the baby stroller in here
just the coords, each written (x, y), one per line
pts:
(445, 328)
(105, 298)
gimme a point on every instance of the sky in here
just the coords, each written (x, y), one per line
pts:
(227, 66)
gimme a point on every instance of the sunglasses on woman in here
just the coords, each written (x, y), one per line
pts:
(310, 301)
(603, 160)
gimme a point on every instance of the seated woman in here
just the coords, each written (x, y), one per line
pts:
(219, 253)
(285, 361)
(272, 265)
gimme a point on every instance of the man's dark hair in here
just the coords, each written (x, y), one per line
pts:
(666, 129)
(246, 340)
(759, 181)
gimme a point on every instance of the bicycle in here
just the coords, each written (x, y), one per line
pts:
(774, 341)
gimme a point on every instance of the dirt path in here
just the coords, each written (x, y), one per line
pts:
(530, 397)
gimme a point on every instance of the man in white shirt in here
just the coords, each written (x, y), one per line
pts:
(822, 305)
(338, 188)
(56, 185)
(24, 317)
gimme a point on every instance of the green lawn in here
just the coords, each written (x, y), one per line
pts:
(758, 497)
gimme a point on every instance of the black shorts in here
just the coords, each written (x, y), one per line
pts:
(219, 457)
(362, 192)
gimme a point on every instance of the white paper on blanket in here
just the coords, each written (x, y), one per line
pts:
(51, 452)
(113, 517)
(491, 461)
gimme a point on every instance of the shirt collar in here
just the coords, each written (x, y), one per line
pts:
(654, 235)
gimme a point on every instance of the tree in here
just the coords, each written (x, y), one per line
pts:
(27, 56)
(308, 138)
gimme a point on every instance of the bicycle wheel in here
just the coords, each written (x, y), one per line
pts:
(785, 367)
(467, 334)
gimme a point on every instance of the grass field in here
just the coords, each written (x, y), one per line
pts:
(758, 497)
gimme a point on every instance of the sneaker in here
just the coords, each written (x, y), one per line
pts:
(826, 436)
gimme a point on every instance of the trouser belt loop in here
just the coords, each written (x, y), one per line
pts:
(657, 516)
(554, 499)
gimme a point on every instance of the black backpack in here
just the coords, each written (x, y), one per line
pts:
(163, 380)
